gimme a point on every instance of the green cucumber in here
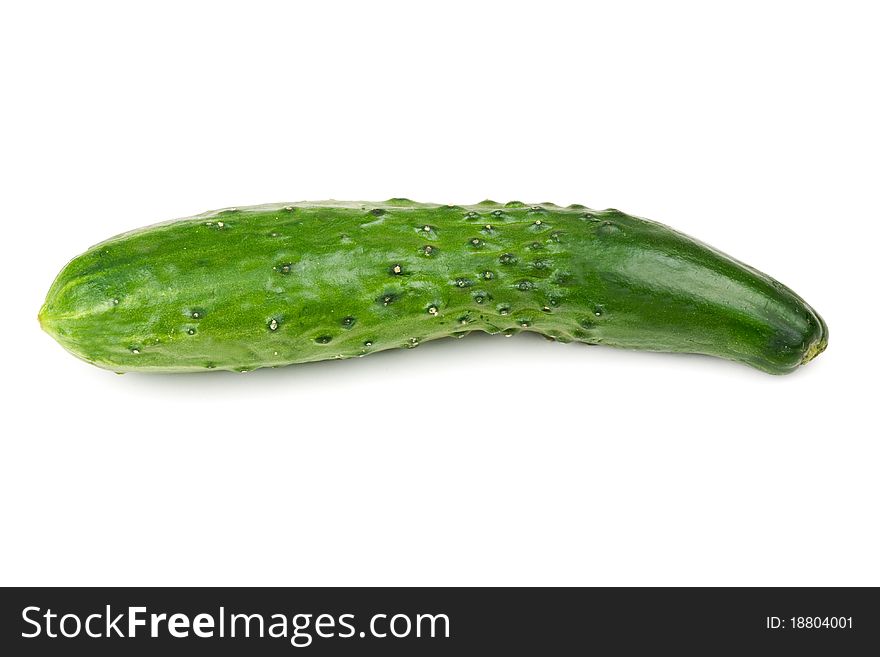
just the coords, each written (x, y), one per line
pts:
(271, 285)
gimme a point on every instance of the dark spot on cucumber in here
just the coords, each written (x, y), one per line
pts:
(545, 309)
(472, 216)
(480, 297)
(463, 282)
(323, 339)
(488, 275)
(387, 298)
(428, 231)
(348, 322)
(273, 324)
(378, 212)
(536, 246)
(428, 250)
(411, 343)
(488, 230)
(538, 225)
(525, 285)
(368, 343)
(540, 265)
(599, 310)
(524, 323)
(476, 243)
(561, 277)
(497, 213)
(195, 313)
(503, 309)
(288, 208)
(396, 270)
(190, 331)
(283, 269)
(432, 310)
(507, 259)
(608, 228)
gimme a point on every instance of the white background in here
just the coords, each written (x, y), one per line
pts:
(482, 461)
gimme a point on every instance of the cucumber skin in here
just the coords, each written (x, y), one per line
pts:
(265, 286)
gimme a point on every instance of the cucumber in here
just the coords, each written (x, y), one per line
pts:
(272, 285)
